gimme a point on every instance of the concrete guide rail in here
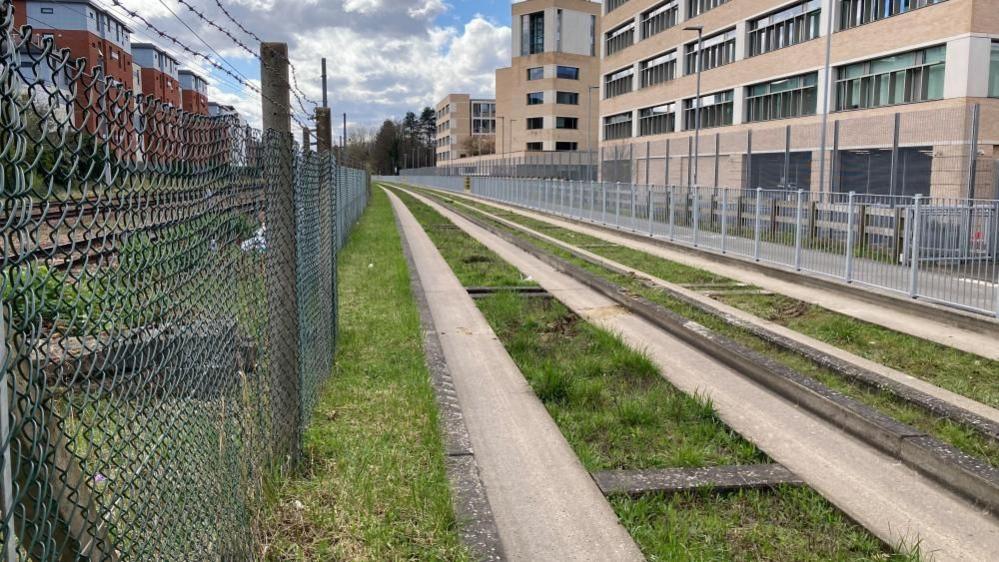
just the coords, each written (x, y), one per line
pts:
(919, 320)
(546, 505)
(892, 500)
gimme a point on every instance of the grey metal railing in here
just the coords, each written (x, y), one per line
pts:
(934, 249)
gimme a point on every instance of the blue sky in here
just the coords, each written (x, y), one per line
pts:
(497, 11)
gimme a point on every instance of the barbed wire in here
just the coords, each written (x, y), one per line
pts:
(296, 90)
(180, 44)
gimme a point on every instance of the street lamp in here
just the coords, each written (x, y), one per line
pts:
(697, 97)
(589, 130)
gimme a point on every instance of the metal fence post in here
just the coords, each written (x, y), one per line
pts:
(850, 221)
(282, 251)
(914, 260)
(603, 193)
(634, 207)
(652, 231)
(797, 229)
(6, 474)
(672, 213)
(724, 221)
(617, 204)
(697, 215)
(976, 112)
(758, 224)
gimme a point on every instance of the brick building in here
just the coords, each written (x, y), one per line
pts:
(194, 92)
(160, 73)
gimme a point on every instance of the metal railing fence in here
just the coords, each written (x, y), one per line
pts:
(937, 249)
(144, 283)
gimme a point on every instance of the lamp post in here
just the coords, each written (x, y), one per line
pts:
(589, 130)
(697, 97)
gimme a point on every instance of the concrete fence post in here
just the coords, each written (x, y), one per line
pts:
(282, 251)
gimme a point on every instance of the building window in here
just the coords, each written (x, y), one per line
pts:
(566, 146)
(658, 70)
(483, 109)
(716, 111)
(536, 73)
(716, 50)
(790, 26)
(657, 120)
(698, 7)
(869, 171)
(534, 123)
(781, 99)
(558, 31)
(660, 18)
(620, 82)
(613, 5)
(593, 36)
(48, 10)
(620, 38)
(904, 78)
(532, 33)
(567, 73)
(994, 71)
(567, 98)
(853, 13)
(484, 126)
(566, 123)
(535, 146)
(617, 126)
(535, 98)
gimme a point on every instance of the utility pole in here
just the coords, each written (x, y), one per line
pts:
(699, 60)
(325, 98)
(281, 264)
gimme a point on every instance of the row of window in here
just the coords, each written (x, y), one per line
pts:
(537, 123)
(914, 76)
(559, 146)
(561, 98)
(561, 72)
(784, 27)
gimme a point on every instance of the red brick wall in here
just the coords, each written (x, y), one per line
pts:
(20, 9)
(155, 83)
(195, 102)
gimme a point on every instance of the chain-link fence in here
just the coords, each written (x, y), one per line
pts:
(149, 290)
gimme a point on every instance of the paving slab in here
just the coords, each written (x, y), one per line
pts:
(906, 322)
(545, 504)
(715, 479)
(893, 501)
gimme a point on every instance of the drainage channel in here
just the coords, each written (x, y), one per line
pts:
(970, 478)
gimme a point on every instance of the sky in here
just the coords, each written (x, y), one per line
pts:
(385, 57)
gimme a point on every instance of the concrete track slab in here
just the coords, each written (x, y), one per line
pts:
(901, 321)
(545, 504)
(891, 500)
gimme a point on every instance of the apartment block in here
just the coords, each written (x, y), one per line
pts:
(885, 97)
(547, 100)
(466, 127)
(160, 73)
(194, 92)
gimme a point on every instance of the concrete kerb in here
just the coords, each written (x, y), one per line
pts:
(972, 478)
(715, 479)
(477, 525)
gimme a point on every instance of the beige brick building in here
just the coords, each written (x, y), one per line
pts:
(908, 84)
(546, 100)
(466, 127)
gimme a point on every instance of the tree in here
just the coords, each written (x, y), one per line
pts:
(411, 129)
(478, 146)
(386, 150)
(428, 125)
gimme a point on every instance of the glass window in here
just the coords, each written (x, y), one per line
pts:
(613, 5)
(716, 110)
(48, 10)
(620, 38)
(535, 146)
(658, 70)
(858, 12)
(566, 146)
(657, 120)
(567, 73)
(782, 99)
(620, 82)
(716, 50)
(532, 33)
(535, 73)
(617, 126)
(789, 26)
(567, 98)
(903, 78)
(566, 123)
(535, 98)
(660, 18)
(994, 71)
(698, 7)
(534, 123)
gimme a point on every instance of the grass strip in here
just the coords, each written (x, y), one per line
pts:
(373, 485)
(617, 411)
(964, 373)
(959, 435)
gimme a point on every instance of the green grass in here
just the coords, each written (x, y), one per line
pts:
(374, 485)
(964, 373)
(959, 435)
(617, 411)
